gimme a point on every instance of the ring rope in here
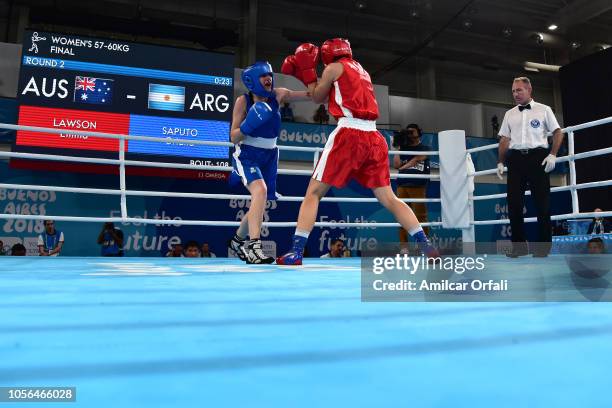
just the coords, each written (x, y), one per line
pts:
(174, 140)
(138, 163)
(201, 222)
(142, 193)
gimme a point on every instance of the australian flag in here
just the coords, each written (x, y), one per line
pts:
(98, 91)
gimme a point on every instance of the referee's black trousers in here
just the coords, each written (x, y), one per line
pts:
(525, 171)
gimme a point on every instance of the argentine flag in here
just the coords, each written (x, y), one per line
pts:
(166, 97)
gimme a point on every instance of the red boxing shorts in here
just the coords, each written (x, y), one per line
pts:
(354, 150)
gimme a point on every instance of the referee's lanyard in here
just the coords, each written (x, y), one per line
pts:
(51, 240)
(598, 227)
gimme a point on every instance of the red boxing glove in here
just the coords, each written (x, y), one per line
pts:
(290, 68)
(306, 60)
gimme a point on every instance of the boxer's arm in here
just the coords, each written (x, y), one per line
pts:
(320, 90)
(287, 95)
(238, 116)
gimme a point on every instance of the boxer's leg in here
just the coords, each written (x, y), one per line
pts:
(306, 219)
(405, 216)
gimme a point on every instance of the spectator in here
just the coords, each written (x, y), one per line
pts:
(596, 246)
(206, 251)
(599, 225)
(2, 250)
(111, 239)
(18, 250)
(336, 249)
(176, 252)
(192, 250)
(409, 139)
(287, 113)
(321, 116)
(51, 241)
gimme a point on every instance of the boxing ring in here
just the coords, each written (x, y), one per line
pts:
(211, 331)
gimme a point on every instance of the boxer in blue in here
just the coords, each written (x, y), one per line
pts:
(255, 127)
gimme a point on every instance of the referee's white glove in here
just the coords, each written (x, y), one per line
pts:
(549, 162)
(500, 171)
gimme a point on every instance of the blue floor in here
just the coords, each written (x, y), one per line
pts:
(208, 333)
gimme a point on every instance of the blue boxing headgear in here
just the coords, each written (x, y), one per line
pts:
(251, 75)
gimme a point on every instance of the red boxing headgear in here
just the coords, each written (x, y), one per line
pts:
(334, 48)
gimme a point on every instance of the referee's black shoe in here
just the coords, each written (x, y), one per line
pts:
(518, 249)
(540, 249)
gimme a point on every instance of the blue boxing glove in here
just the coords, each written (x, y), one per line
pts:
(259, 114)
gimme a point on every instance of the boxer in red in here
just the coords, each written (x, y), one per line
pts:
(355, 149)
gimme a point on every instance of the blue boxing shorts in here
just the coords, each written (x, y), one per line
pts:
(252, 163)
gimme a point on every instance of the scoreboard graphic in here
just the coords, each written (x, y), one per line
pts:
(91, 84)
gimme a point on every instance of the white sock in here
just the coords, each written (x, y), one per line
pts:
(301, 233)
(415, 230)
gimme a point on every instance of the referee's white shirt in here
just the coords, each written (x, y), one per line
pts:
(528, 129)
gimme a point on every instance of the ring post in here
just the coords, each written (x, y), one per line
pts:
(455, 183)
(124, 214)
(572, 168)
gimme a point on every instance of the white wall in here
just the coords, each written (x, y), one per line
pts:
(488, 112)
(435, 116)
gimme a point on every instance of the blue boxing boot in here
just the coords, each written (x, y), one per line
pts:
(294, 257)
(423, 243)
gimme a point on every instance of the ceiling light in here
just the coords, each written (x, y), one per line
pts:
(361, 5)
(575, 45)
(539, 38)
(537, 67)
(552, 27)
(507, 32)
(467, 24)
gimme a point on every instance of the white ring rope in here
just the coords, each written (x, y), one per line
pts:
(138, 193)
(568, 129)
(568, 158)
(482, 148)
(571, 157)
(603, 214)
(592, 184)
(175, 140)
(202, 222)
(123, 192)
(138, 163)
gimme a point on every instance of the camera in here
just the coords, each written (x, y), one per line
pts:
(401, 138)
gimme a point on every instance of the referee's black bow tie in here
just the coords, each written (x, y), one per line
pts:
(523, 107)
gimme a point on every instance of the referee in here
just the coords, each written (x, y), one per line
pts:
(524, 148)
